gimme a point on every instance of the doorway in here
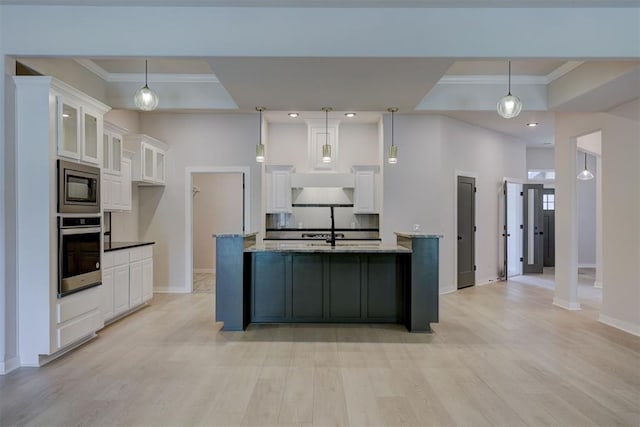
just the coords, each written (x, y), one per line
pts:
(533, 230)
(548, 212)
(513, 229)
(466, 231)
(217, 202)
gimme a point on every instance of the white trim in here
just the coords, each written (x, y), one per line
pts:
(93, 67)
(566, 304)
(473, 175)
(496, 79)
(188, 218)
(586, 266)
(171, 290)
(562, 70)
(447, 291)
(9, 365)
(162, 78)
(485, 282)
(623, 325)
(204, 270)
(597, 284)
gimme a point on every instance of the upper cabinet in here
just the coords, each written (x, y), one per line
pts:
(79, 124)
(365, 192)
(149, 159)
(112, 148)
(279, 189)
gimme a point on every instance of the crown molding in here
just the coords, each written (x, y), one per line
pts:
(499, 79)
(563, 69)
(139, 77)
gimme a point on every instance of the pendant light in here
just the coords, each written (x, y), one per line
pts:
(509, 105)
(260, 145)
(393, 149)
(326, 148)
(585, 175)
(146, 99)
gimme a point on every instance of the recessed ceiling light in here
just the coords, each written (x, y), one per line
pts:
(532, 124)
(66, 115)
(350, 115)
(293, 115)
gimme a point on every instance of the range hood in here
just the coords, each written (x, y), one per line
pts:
(322, 180)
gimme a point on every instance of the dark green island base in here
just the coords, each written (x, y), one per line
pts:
(302, 283)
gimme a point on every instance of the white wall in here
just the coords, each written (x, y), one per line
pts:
(586, 191)
(620, 214)
(217, 209)
(421, 188)
(540, 158)
(196, 139)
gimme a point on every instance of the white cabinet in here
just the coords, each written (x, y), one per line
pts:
(116, 189)
(128, 276)
(112, 148)
(79, 121)
(365, 190)
(148, 166)
(50, 119)
(279, 189)
(78, 316)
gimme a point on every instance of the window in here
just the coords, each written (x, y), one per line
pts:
(548, 202)
(541, 174)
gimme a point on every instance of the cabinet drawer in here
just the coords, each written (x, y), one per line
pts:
(78, 328)
(107, 260)
(121, 257)
(78, 304)
(141, 252)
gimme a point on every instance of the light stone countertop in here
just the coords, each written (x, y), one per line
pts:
(326, 248)
(235, 235)
(415, 234)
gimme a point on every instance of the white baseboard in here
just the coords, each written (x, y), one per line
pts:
(170, 291)
(623, 325)
(447, 291)
(586, 266)
(597, 284)
(9, 365)
(204, 270)
(489, 281)
(566, 304)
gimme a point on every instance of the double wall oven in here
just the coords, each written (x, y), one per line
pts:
(79, 227)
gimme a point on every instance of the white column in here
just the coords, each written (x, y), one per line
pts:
(598, 282)
(566, 273)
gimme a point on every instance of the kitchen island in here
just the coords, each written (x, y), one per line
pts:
(318, 283)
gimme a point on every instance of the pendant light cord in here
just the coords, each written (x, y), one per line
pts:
(585, 160)
(509, 77)
(392, 123)
(326, 126)
(146, 83)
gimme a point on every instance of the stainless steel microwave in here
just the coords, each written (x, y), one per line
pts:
(78, 188)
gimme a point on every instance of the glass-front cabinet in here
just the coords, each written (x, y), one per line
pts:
(112, 148)
(149, 159)
(79, 126)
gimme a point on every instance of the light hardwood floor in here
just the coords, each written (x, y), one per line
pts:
(502, 354)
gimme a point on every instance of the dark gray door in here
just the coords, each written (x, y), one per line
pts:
(466, 231)
(533, 243)
(549, 213)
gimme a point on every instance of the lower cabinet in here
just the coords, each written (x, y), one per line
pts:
(77, 316)
(127, 280)
(346, 288)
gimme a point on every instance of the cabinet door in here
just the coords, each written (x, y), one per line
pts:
(135, 283)
(105, 192)
(159, 168)
(106, 156)
(147, 279)
(108, 280)
(364, 192)
(280, 192)
(121, 289)
(68, 129)
(116, 153)
(307, 289)
(91, 139)
(125, 185)
(148, 162)
(269, 288)
(116, 192)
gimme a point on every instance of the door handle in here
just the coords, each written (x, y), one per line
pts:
(541, 233)
(459, 237)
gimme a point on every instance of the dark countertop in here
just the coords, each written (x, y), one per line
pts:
(114, 246)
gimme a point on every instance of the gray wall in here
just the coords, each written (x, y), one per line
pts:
(586, 213)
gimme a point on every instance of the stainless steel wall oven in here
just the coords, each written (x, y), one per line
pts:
(79, 240)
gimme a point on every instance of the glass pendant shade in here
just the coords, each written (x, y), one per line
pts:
(326, 153)
(260, 153)
(146, 99)
(585, 175)
(393, 155)
(509, 106)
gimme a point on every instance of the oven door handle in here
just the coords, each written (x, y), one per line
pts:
(80, 230)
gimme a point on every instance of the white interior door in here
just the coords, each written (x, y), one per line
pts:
(514, 230)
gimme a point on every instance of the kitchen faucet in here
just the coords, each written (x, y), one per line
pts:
(332, 239)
